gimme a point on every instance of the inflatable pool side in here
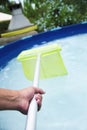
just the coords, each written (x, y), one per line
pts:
(11, 50)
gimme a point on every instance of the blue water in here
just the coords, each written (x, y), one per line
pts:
(65, 102)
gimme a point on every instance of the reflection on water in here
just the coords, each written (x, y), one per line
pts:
(64, 104)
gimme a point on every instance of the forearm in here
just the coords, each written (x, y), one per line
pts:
(9, 99)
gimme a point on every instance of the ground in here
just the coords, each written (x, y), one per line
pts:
(7, 40)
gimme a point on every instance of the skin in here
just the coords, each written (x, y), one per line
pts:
(20, 99)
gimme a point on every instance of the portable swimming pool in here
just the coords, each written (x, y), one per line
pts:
(65, 102)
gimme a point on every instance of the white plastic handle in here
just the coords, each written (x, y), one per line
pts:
(32, 111)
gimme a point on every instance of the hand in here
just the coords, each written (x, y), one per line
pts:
(25, 97)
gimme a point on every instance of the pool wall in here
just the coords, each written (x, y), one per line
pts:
(11, 50)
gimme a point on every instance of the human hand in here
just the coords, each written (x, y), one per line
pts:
(25, 97)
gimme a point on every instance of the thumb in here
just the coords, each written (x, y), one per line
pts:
(38, 90)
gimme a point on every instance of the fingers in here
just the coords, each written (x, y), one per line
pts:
(38, 98)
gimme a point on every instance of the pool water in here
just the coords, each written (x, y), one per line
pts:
(65, 102)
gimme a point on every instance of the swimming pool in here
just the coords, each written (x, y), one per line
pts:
(64, 104)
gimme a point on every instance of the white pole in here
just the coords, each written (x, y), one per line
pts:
(37, 72)
(32, 111)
